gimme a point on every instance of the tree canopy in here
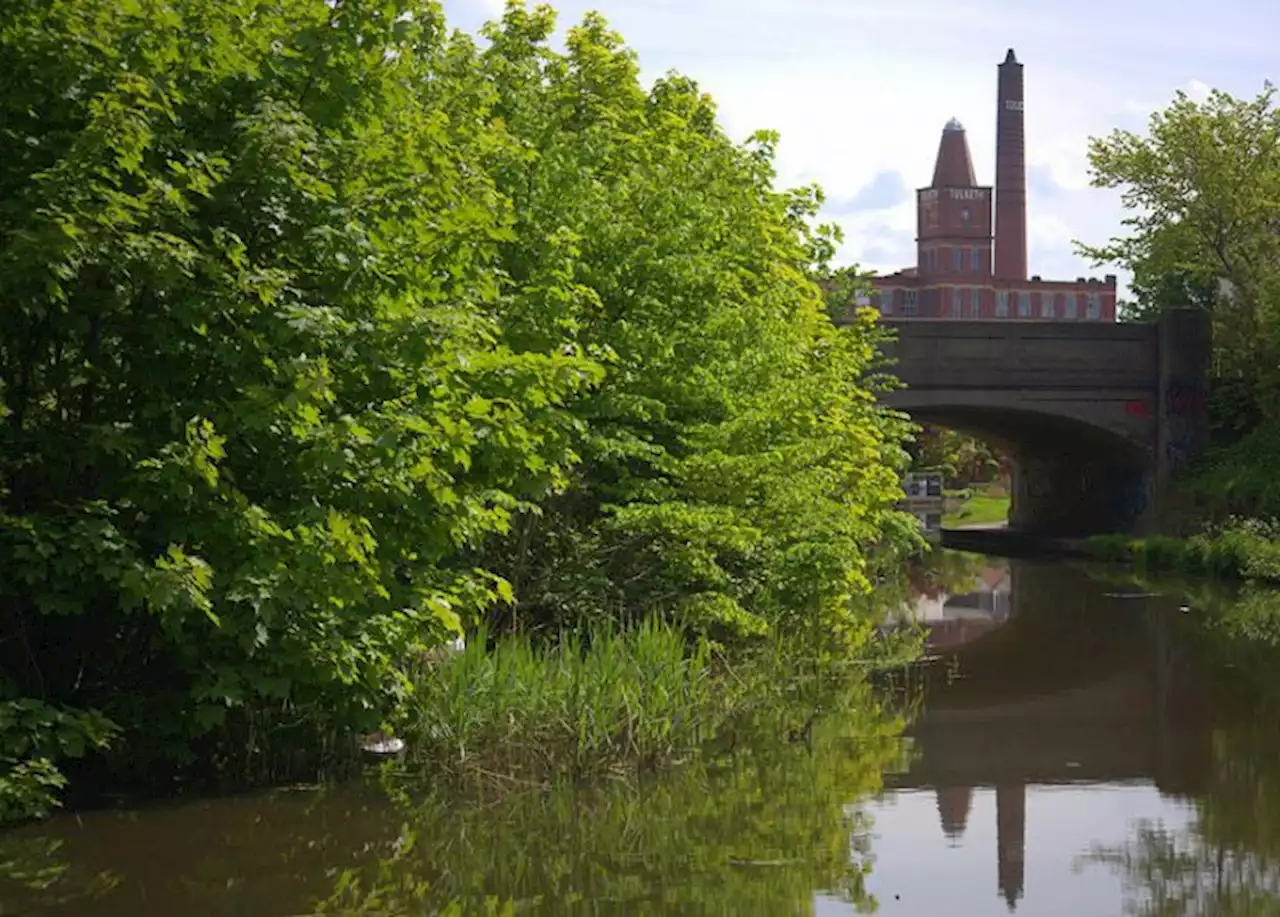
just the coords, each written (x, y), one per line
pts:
(329, 332)
(1203, 193)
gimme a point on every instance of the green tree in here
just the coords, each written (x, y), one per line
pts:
(1203, 191)
(252, 397)
(963, 459)
(1167, 274)
(327, 332)
(737, 468)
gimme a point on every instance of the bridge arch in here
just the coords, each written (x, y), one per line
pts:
(1076, 469)
(1096, 415)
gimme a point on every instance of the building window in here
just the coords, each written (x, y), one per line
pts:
(909, 306)
(1070, 309)
(1046, 305)
(957, 259)
(1002, 303)
(975, 260)
(1024, 304)
(1093, 308)
(975, 302)
(886, 302)
(957, 302)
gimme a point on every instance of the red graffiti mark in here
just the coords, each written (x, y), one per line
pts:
(1139, 407)
(1186, 399)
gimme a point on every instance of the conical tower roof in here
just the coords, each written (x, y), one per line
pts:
(953, 808)
(954, 168)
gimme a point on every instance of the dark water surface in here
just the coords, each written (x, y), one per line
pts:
(1076, 751)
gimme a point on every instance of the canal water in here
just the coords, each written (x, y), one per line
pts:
(1074, 745)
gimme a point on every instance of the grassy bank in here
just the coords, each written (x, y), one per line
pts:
(978, 506)
(1247, 549)
(1227, 519)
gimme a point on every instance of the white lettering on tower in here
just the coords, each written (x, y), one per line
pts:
(967, 194)
(1013, 104)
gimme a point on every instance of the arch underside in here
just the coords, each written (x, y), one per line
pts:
(1071, 421)
(1081, 466)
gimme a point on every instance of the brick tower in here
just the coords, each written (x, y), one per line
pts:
(1011, 174)
(957, 275)
(953, 221)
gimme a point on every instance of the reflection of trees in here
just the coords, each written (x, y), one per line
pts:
(35, 866)
(754, 826)
(1226, 860)
(939, 570)
(1184, 874)
(756, 829)
(942, 570)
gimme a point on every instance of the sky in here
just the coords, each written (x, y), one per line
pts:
(860, 90)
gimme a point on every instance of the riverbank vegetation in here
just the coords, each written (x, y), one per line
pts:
(774, 807)
(331, 334)
(1201, 191)
(521, 709)
(1246, 549)
(525, 709)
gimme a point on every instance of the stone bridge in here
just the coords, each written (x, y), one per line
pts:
(1096, 416)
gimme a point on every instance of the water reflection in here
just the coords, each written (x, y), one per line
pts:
(1041, 684)
(1080, 749)
(753, 829)
(959, 597)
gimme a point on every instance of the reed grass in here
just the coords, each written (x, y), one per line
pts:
(518, 706)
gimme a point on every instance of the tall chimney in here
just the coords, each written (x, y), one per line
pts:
(1011, 175)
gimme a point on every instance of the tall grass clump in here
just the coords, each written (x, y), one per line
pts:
(518, 705)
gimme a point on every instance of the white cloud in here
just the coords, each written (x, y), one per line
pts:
(1197, 90)
(1049, 232)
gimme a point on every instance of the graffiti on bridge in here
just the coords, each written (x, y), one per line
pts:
(1127, 492)
(1036, 478)
(1119, 492)
(1178, 449)
(1186, 406)
(1185, 398)
(1138, 407)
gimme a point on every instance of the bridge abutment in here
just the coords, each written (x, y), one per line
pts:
(1182, 429)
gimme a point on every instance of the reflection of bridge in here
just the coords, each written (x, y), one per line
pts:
(1071, 687)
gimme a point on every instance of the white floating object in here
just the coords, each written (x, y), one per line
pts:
(379, 744)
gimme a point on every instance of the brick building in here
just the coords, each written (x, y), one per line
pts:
(971, 239)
